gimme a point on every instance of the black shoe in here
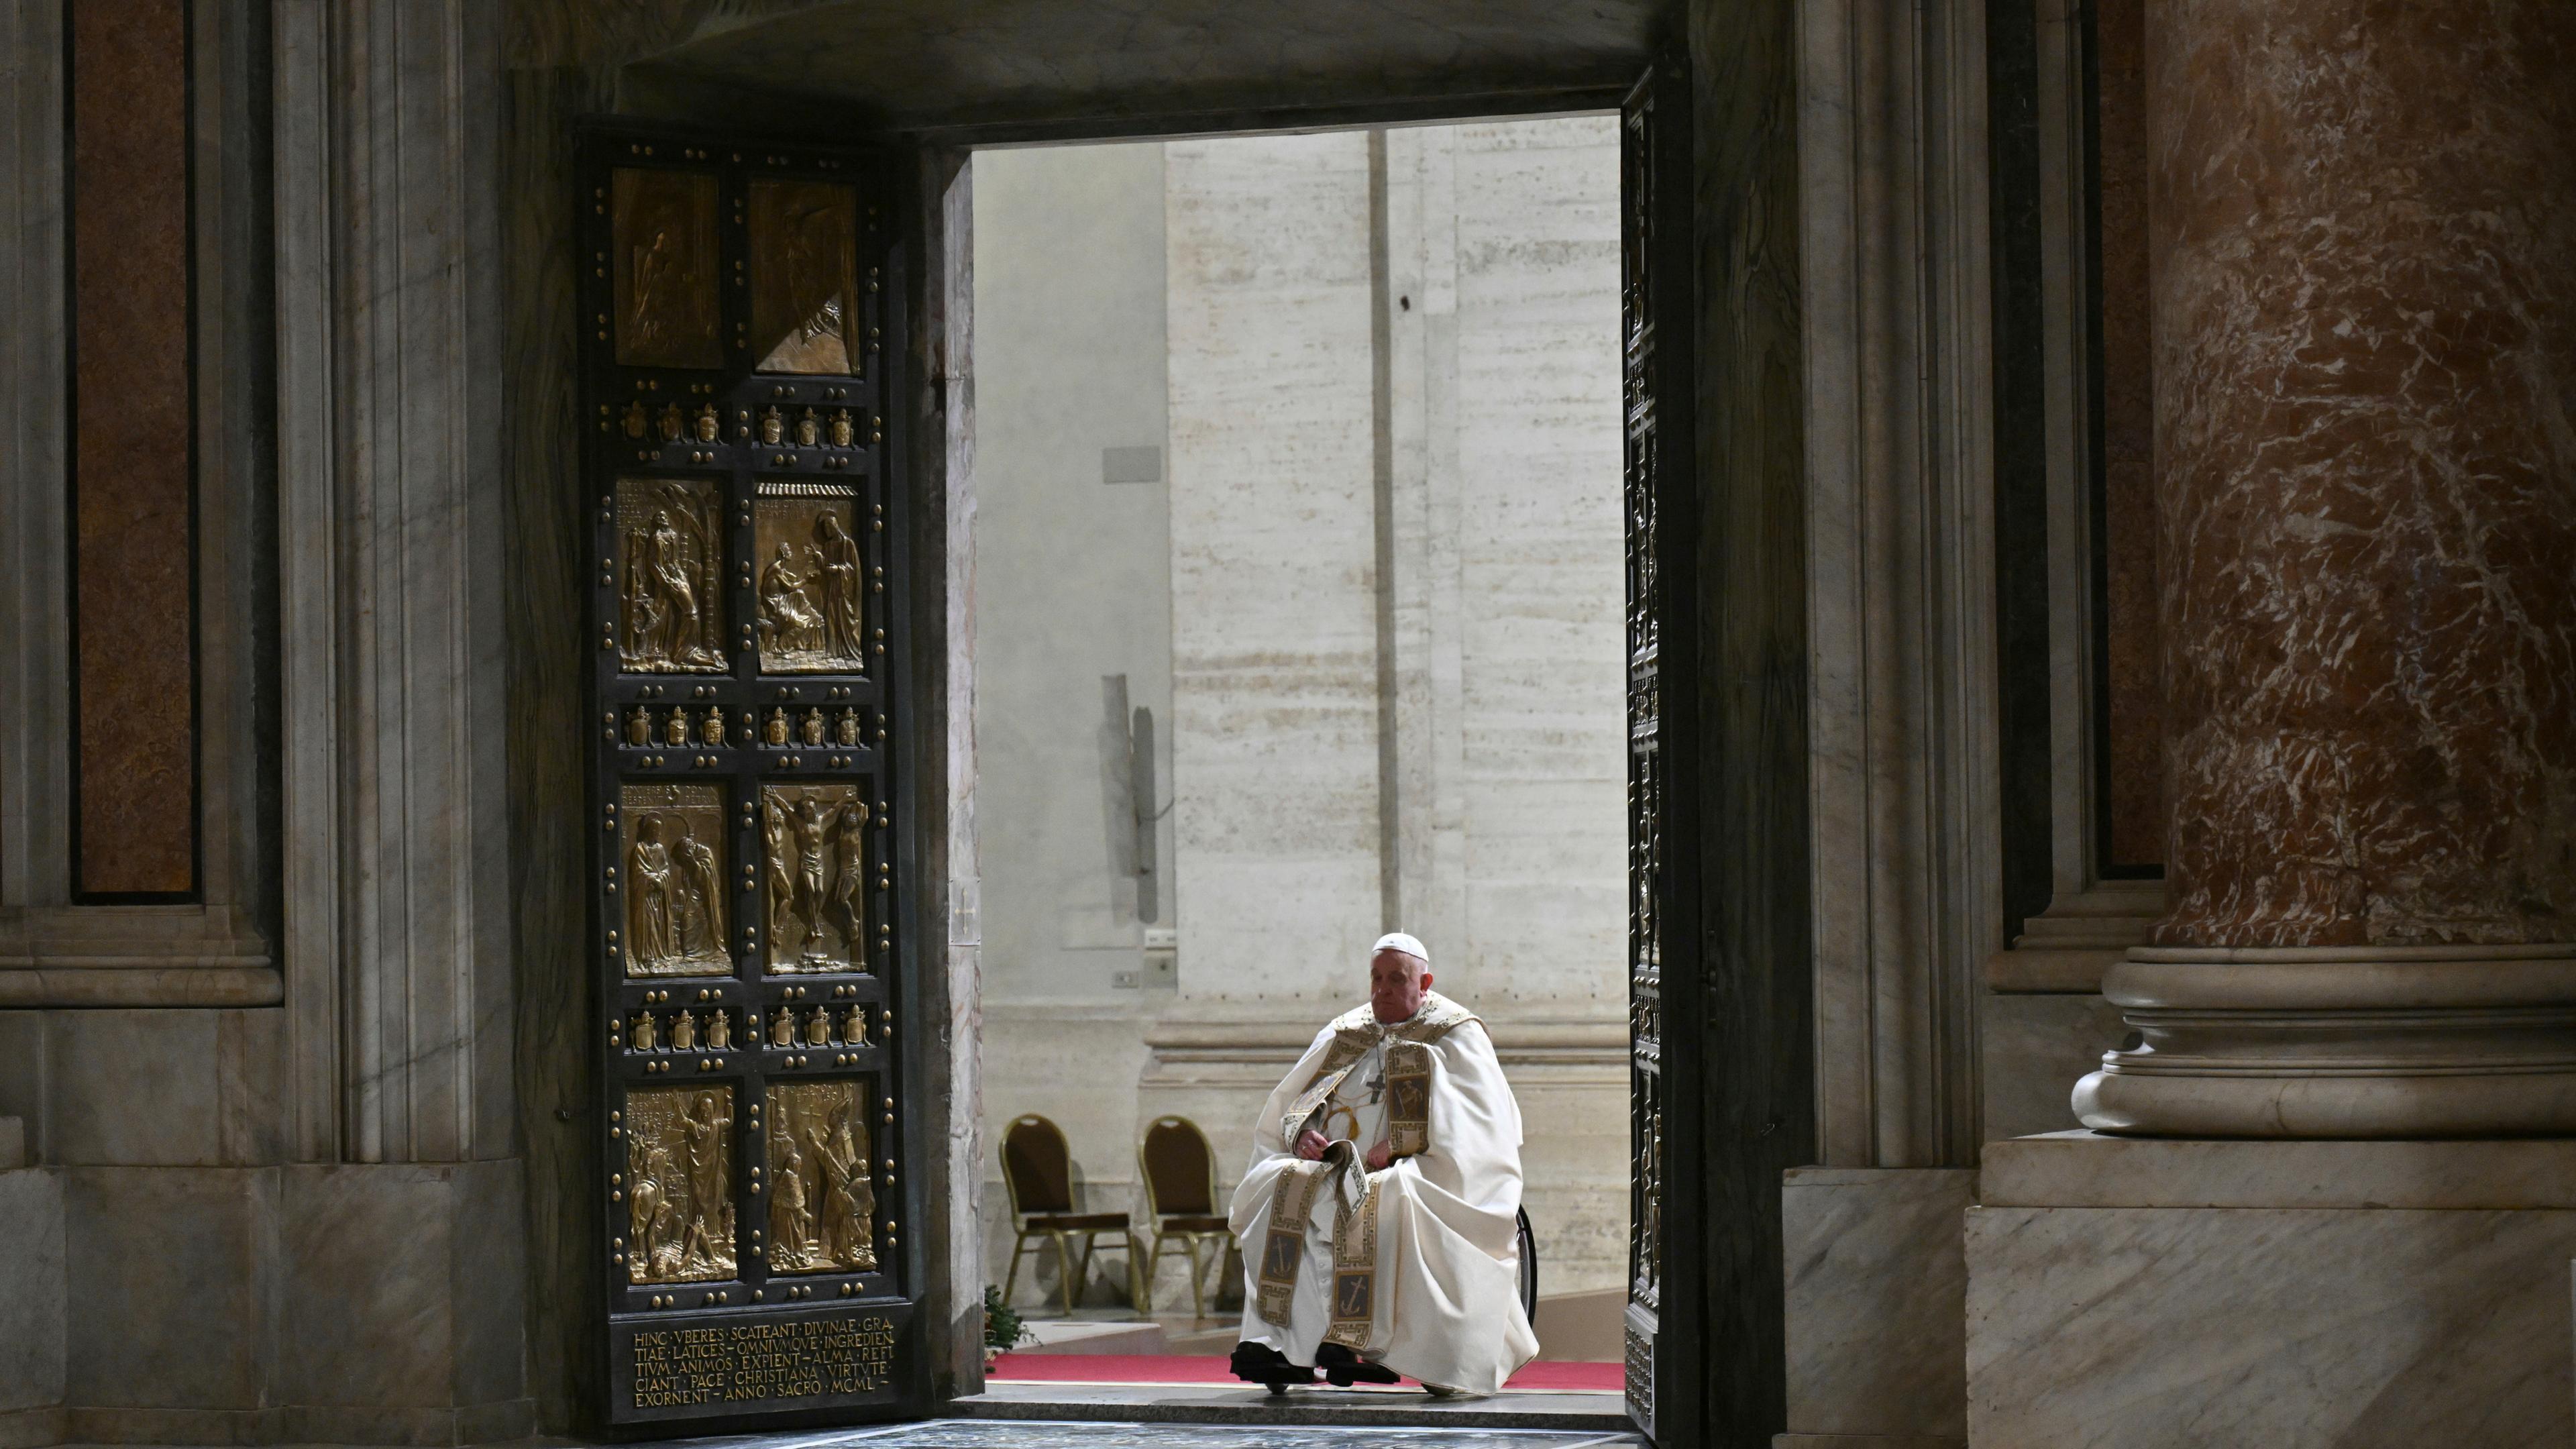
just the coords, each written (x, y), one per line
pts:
(1259, 1363)
(1345, 1368)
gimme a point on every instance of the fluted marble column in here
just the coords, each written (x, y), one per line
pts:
(2363, 230)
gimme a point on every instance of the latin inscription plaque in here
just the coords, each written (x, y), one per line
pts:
(683, 1367)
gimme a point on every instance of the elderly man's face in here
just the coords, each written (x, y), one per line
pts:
(1396, 984)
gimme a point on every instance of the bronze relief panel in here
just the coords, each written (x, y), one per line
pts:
(812, 578)
(816, 887)
(822, 1196)
(804, 275)
(666, 265)
(671, 843)
(671, 593)
(679, 1194)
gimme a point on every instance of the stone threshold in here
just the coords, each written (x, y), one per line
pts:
(1604, 1413)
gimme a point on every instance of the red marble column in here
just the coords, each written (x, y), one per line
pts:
(2363, 221)
(2362, 224)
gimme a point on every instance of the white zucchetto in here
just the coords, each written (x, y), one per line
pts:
(1399, 941)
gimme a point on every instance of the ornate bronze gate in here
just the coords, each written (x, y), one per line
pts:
(1656, 320)
(740, 405)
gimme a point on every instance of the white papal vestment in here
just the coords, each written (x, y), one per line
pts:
(1417, 1266)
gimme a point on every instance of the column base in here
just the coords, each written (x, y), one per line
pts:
(2341, 1042)
(2127, 1294)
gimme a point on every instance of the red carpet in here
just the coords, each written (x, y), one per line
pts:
(1107, 1368)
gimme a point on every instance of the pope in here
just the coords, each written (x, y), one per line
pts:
(1379, 1218)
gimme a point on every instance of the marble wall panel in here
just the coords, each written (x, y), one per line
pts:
(402, 1286)
(2031, 1050)
(31, 1290)
(1876, 1281)
(2088, 1169)
(488, 1281)
(175, 1088)
(366, 1256)
(169, 1274)
(22, 1077)
(135, 1087)
(2105, 1328)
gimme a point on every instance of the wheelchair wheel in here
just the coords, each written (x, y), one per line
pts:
(1529, 1269)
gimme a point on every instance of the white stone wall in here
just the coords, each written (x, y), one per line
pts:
(1504, 242)
(1394, 600)
(1274, 586)
(1073, 588)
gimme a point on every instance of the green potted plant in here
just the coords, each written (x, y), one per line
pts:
(1003, 1330)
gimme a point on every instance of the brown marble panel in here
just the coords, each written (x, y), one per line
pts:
(133, 478)
(2364, 233)
(2133, 784)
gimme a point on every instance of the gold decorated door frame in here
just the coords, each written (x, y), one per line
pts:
(742, 407)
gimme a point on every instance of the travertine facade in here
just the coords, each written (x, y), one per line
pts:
(1393, 589)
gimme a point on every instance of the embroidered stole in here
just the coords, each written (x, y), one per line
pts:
(1292, 1200)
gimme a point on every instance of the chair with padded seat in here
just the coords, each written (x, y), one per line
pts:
(1037, 1171)
(1180, 1195)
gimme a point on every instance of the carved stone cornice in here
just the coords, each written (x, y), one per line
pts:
(88, 956)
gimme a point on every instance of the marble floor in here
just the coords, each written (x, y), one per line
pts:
(996, 1434)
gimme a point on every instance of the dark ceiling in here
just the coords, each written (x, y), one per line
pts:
(1125, 66)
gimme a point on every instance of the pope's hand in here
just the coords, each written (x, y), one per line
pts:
(1380, 1155)
(1311, 1145)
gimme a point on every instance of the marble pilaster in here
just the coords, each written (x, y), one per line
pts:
(389, 350)
(1898, 536)
(2364, 243)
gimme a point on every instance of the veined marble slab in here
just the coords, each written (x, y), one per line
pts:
(31, 1292)
(1875, 1291)
(2088, 1169)
(2124, 1328)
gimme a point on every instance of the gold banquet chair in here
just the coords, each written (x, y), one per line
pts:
(1037, 1171)
(1180, 1194)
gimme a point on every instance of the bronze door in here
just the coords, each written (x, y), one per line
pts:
(740, 383)
(1656, 317)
